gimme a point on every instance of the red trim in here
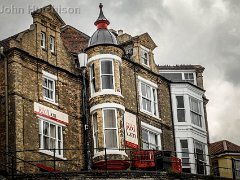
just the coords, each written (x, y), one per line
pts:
(111, 165)
(176, 165)
(102, 25)
(52, 118)
(47, 168)
(131, 145)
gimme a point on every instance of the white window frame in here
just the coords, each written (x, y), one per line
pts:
(110, 60)
(52, 44)
(116, 128)
(57, 139)
(144, 50)
(184, 108)
(43, 40)
(192, 111)
(188, 79)
(154, 130)
(92, 79)
(95, 133)
(182, 152)
(152, 86)
(53, 78)
(204, 161)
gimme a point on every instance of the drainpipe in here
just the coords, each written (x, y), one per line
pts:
(85, 118)
(6, 98)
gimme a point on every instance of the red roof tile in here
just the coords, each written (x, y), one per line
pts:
(223, 146)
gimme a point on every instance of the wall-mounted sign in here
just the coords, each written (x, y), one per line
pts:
(50, 113)
(130, 123)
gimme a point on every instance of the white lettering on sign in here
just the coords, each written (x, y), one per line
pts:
(130, 123)
(50, 113)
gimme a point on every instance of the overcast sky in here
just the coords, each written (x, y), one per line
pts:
(205, 32)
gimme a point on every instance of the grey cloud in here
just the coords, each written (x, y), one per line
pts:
(186, 32)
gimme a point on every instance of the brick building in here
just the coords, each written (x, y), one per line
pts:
(50, 108)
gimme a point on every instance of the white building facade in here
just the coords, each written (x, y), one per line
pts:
(189, 116)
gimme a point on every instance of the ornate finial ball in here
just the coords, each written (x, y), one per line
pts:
(100, 5)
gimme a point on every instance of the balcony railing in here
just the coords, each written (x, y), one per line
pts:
(34, 161)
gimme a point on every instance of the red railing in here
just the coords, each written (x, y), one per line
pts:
(143, 159)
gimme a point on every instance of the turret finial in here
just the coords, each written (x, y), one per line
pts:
(101, 22)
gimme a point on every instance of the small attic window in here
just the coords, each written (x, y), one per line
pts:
(144, 55)
(43, 40)
(52, 44)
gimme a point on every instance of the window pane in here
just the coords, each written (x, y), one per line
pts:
(185, 161)
(148, 106)
(152, 138)
(144, 103)
(184, 143)
(59, 133)
(107, 82)
(110, 138)
(46, 142)
(50, 94)
(144, 56)
(143, 89)
(106, 67)
(155, 109)
(109, 118)
(144, 135)
(154, 95)
(59, 148)
(52, 144)
(181, 115)
(45, 128)
(190, 75)
(44, 82)
(145, 145)
(148, 92)
(53, 131)
(92, 71)
(180, 102)
(50, 84)
(95, 127)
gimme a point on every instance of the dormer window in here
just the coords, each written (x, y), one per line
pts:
(144, 56)
(52, 44)
(43, 40)
(189, 77)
